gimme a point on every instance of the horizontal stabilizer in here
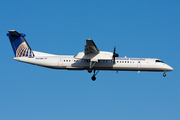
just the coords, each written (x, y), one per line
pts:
(14, 33)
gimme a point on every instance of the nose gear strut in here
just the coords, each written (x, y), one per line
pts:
(164, 74)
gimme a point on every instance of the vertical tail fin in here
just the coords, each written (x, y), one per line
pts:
(19, 44)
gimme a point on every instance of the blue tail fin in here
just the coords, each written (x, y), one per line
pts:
(19, 44)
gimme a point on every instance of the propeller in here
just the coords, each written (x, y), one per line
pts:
(114, 54)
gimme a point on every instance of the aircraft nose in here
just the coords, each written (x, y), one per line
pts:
(169, 68)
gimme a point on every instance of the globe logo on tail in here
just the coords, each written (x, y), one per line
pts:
(24, 51)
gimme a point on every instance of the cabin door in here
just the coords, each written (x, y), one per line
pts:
(60, 62)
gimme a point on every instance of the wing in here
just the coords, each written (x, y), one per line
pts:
(92, 53)
(90, 47)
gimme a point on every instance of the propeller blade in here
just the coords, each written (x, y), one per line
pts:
(114, 50)
(114, 54)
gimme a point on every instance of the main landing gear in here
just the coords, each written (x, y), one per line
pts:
(94, 75)
(92, 63)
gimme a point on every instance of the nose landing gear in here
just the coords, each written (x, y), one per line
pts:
(164, 74)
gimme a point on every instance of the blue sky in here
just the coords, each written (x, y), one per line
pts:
(148, 29)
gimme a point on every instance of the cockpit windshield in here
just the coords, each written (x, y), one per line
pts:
(159, 61)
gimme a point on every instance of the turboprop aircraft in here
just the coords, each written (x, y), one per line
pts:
(92, 59)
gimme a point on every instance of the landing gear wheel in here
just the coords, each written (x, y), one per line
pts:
(94, 74)
(93, 78)
(164, 74)
(89, 70)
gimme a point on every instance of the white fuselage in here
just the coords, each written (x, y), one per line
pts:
(91, 59)
(70, 63)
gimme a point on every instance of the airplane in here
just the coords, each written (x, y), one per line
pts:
(92, 59)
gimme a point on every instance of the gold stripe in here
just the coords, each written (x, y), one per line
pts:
(23, 52)
(26, 52)
(19, 50)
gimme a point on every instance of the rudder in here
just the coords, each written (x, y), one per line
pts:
(19, 44)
